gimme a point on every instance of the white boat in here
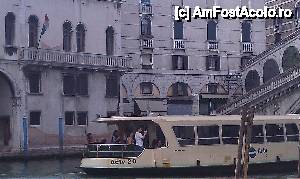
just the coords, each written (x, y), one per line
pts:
(201, 144)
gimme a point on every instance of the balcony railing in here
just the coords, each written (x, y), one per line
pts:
(178, 44)
(277, 83)
(147, 43)
(145, 8)
(63, 58)
(212, 46)
(247, 47)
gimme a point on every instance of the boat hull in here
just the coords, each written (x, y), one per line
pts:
(263, 168)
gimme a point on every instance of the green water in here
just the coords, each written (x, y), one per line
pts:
(61, 169)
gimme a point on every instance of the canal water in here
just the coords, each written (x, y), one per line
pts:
(61, 169)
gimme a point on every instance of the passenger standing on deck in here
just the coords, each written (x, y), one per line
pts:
(115, 139)
(129, 139)
(139, 137)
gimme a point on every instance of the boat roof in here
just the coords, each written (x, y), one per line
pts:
(195, 118)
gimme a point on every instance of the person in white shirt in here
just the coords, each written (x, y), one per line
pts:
(139, 137)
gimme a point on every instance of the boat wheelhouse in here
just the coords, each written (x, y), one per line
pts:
(195, 143)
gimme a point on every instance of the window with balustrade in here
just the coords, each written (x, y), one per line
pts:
(146, 25)
(67, 36)
(110, 40)
(80, 37)
(10, 21)
(246, 31)
(213, 62)
(180, 62)
(33, 31)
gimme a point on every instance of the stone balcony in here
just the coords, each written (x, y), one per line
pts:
(212, 46)
(145, 9)
(247, 47)
(72, 59)
(146, 43)
(179, 44)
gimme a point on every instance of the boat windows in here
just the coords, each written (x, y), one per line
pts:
(274, 132)
(208, 135)
(112, 151)
(230, 134)
(257, 134)
(292, 132)
(185, 135)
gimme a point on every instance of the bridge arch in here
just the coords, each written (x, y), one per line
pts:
(252, 80)
(290, 58)
(270, 70)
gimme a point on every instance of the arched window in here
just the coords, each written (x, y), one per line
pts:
(80, 36)
(110, 40)
(33, 31)
(211, 30)
(67, 36)
(246, 31)
(146, 25)
(10, 20)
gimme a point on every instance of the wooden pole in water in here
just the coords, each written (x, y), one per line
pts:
(240, 146)
(248, 135)
(299, 152)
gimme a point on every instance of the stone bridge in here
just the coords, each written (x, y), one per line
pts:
(271, 80)
(272, 62)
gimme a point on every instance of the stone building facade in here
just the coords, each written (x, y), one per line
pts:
(278, 29)
(180, 64)
(58, 59)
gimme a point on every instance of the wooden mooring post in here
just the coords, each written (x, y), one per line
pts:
(299, 153)
(245, 134)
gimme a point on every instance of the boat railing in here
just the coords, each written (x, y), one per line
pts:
(112, 151)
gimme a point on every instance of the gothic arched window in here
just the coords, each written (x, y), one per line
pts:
(33, 31)
(80, 36)
(67, 36)
(211, 30)
(110, 40)
(10, 20)
(146, 25)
